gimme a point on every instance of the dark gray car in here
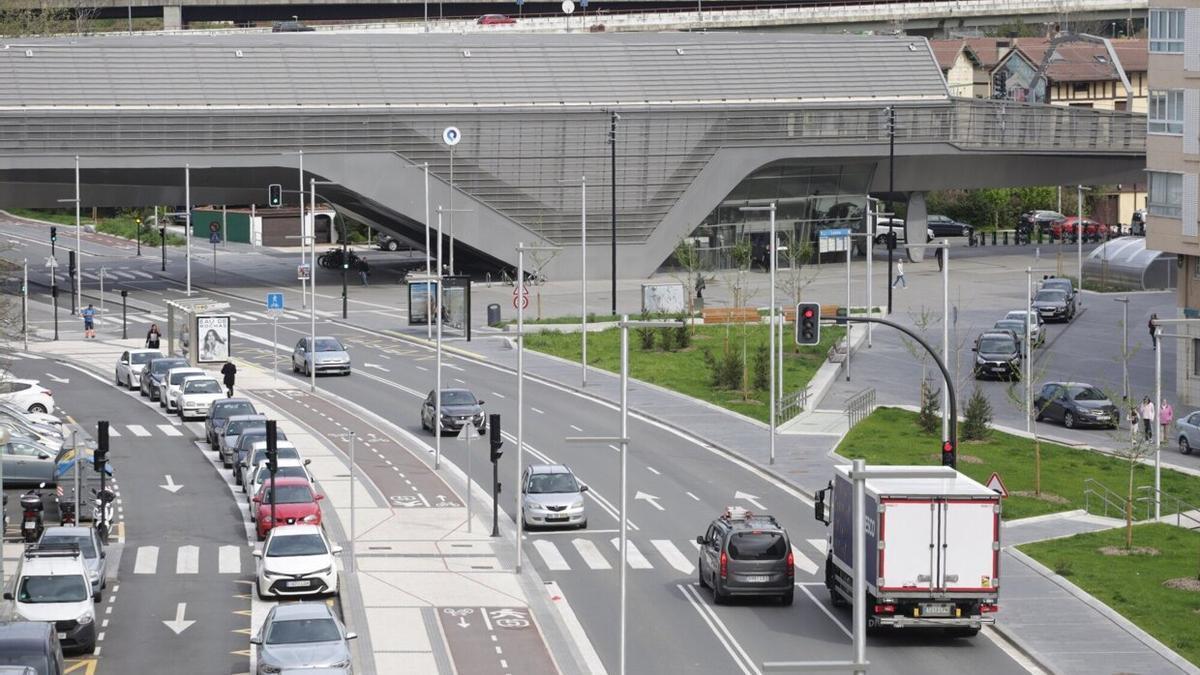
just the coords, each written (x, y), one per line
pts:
(997, 355)
(1053, 304)
(219, 414)
(153, 374)
(746, 554)
(28, 463)
(245, 442)
(232, 431)
(459, 407)
(1075, 404)
(302, 635)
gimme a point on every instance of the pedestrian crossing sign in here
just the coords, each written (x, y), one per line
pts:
(274, 300)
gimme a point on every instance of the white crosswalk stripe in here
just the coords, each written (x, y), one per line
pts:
(112, 432)
(137, 430)
(144, 275)
(819, 544)
(673, 555)
(244, 316)
(550, 555)
(632, 554)
(147, 560)
(802, 562)
(229, 560)
(187, 560)
(169, 430)
(591, 554)
(121, 275)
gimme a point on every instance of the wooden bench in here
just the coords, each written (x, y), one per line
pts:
(827, 312)
(713, 315)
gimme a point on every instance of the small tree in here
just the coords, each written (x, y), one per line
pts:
(645, 338)
(762, 368)
(691, 267)
(930, 418)
(977, 419)
(1133, 452)
(683, 336)
(666, 339)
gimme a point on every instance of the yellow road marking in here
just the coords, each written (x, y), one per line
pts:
(243, 596)
(243, 612)
(84, 667)
(241, 652)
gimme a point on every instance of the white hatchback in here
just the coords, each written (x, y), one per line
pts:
(130, 366)
(169, 389)
(27, 395)
(196, 394)
(297, 560)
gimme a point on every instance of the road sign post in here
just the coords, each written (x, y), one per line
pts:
(52, 265)
(465, 433)
(124, 316)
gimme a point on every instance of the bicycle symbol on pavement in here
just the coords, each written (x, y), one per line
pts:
(509, 618)
(454, 611)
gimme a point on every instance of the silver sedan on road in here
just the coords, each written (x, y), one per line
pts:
(302, 635)
(1187, 430)
(329, 357)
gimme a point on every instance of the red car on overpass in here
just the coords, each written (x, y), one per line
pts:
(1065, 229)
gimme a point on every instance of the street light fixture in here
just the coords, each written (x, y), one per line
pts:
(1079, 190)
(772, 248)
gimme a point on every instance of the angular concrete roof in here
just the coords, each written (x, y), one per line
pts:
(384, 70)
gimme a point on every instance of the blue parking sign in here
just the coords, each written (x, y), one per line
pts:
(274, 300)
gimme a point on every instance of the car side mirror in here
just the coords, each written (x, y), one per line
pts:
(42, 455)
(700, 540)
(256, 553)
(351, 636)
(307, 462)
(583, 488)
(96, 596)
(318, 497)
(335, 549)
(8, 595)
(480, 401)
(103, 554)
(257, 499)
(256, 640)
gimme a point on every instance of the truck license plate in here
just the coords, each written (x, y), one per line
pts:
(757, 578)
(939, 609)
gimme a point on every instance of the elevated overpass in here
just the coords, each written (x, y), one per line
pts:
(698, 114)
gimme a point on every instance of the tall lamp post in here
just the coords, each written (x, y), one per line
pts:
(612, 140)
(78, 242)
(5, 437)
(772, 247)
(1079, 232)
(891, 129)
(1124, 346)
(583, 336)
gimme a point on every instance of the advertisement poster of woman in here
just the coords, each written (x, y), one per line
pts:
(213, 333)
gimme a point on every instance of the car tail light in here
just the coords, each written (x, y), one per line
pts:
(791, 564)
(885, 609)
(724, 565)
(988, 609)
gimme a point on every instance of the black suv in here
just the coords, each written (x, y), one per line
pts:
(1032, 222)
(746, 554)
(997, 355)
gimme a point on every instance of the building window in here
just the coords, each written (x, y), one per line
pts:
(1081, 88)
(1166, 31)
(1165, 115)
(1195, 356)
(1165, 194)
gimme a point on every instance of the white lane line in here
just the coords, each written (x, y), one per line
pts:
(820, 545)
(498, 395)
(144, 275)
(695, 544)
(454, 367)
(112, 432)
(229, 560)
(654, 471)
(147, 560)
(574, 630)
(187, 560)
(540, 412)
(636, 560)
(460, 381)
(692, 496)
(421, 368)
(718, 629)
(591, 554)
(673, 555)
(138, 430)
(550, 555)
(821, 606)
(802, 562)
(576, 428)
(169, 430)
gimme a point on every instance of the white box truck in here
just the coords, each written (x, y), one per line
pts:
(932, 549)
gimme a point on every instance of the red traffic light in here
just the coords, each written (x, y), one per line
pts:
(808, 313)
(947, 447)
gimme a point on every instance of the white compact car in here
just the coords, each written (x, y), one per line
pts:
(27, 395)
(196, 394)
(297, 560)
(131, 364)
(171, 384)
(53, 586)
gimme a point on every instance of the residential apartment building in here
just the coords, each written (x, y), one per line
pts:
(1173, 167)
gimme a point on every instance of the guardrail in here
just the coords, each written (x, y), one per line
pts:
(1182, 510)
(793, 404)
(859, 406)
(1094, 491)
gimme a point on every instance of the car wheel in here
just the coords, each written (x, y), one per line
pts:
(393, 245)
(307, 369)
(261, 595)
(119, 383)
(787, 598)
(1183, 446)
(719, 597)
(38, 408)
(583, 525)
(294, 368)
(1068, 420)
(700, 574)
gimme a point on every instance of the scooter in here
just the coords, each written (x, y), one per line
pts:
(31, 514)
(66, 512)
(102, 511)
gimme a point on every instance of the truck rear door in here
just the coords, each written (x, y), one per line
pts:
(908, 530)
(969, 545)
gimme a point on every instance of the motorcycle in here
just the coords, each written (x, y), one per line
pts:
(332, 259)
(66, 512)
(31, 514)
(102, 511)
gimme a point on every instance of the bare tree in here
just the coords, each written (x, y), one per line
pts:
(1133, 452)
(539, 259)
(691, 267)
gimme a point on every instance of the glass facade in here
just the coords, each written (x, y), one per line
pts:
(808, 197)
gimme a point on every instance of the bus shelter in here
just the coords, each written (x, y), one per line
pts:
(199, 330)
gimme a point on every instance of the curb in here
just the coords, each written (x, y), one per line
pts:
(1024, 647)
(1108, 612)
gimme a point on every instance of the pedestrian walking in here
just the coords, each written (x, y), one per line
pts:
(153, 336)
(89, 321)
(1147, 414)
(230, 372)
(363, 269)
(900, 275)
(1166, 415)
(1135, 424)
(1153, 337)
(699, 286)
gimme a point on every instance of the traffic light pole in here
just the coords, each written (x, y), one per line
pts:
(495, 442)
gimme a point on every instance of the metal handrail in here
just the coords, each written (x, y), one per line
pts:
(1093, 487)
(859, 406)
(1182, 508)
(793, 403)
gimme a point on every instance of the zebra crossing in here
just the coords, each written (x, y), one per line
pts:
(585, 553)
(143, 431)
(242, 315)
(189, 559)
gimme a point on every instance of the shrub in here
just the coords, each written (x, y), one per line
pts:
(683, 336)
(666, 339)
(930, 417)
(762, 368)
(645, 338)
(977, 419)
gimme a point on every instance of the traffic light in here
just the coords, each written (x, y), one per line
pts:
(272, 448)
(808, 323)
(71, 263)
(53, 233)
(275, 195)
(496, 441)
(100, 458)
(949, 457)
(891, 240)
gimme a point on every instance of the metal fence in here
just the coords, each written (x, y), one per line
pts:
(793, 404)
(859, 406)
(1113, 504)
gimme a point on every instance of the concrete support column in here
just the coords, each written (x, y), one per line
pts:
(916, 222)
(172, 17)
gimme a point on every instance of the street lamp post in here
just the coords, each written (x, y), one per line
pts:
(5, 437)
(1124, 346)
(891, 129)
(78, 243)
(772, 247)
(612, 139)
(187, 227)
(1079, 232)
(1157, 427)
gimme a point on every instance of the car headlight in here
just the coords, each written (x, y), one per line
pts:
(577, 505)
(270, 574)
(311, 518)
(979, 360)
(94, 575)
(84, 619)
(327, 570)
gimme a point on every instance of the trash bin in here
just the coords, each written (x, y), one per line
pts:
(493, 314)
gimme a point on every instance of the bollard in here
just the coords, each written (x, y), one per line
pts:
(1039, 235)
(993, 237)
(1006, 237)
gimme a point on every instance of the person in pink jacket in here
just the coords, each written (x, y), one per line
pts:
(1166, 415)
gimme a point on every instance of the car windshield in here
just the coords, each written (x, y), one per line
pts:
(86, 545)
(1063, 285)
(1015, 326)
(1050, 295)
(202, 387)
(240, 426)
(289, 494)
(458, 397)
(283, 472)
(552, 483)
(229, 409)
(260, 455)
(33, 660)
(66, 588)
(143, 357)
(996, 345)
(1087, 394)
(301, 631)
(163, 365)
(329, 345)
(296, 544)
(757, 546)
(176, 378)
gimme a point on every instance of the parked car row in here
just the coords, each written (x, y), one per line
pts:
(1058, 227)
(1000, 350)
(36, 438)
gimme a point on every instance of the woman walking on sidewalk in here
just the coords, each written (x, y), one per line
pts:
(1166, 415)
(152, 337)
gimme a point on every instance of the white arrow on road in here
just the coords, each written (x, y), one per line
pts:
(649, 498)
(376, 367)
(60, 380)
(171, 485)
(179, 624)
(463, 623)
(750, 498)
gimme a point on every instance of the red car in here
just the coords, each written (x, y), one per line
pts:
(495, 20)
(1065, 229)
(296, 504)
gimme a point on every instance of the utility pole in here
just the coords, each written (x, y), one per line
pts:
(891, 125)
(612, 140)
